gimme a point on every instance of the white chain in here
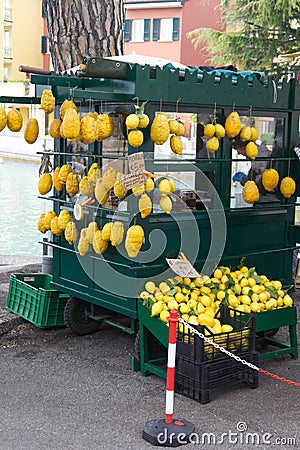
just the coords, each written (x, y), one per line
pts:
(214, 344)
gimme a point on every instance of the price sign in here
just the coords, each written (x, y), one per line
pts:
(136, 162)
(183, 268)
(133, 179)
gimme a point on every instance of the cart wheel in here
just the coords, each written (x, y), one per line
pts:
(76, 317)
(270, 333)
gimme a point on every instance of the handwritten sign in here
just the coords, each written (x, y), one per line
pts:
(136, 162)
(133, 179)
(183, 268)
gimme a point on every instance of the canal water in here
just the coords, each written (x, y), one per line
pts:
(20, 208)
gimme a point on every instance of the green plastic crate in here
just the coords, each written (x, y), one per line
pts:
(31, 297)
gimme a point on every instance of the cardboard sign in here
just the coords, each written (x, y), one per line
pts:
(183, 268)
(133, 179)
(136, 162)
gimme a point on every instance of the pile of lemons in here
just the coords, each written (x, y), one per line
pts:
(197, 300)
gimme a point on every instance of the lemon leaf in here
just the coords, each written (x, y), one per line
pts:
(272, 291)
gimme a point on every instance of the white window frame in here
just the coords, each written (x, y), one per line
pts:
(137, 30)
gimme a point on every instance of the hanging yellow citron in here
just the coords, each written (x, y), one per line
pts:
(3, 119)
(250, 192)
(160, 130)
(66, 105)
(176, 144)
(47, 101)
(134, 240)
(135, 138)
(45, 183)
(105, 126)
(55, 228)
(220, 131)
(254, 134)
(71, 124)
(71, 233)
(166, 204)
(212, 144)
(54, 129)
(31, 131)
(119, 191)
(14, 120)
(232, 125)
(132, 121)
(99, 244)
(209, 130)
(55, 180)
(246, 133)
(48, 217)
(145, 205)
(251, 150)
(117, 233)
(287, 187)
(88, 129)
(270, 178)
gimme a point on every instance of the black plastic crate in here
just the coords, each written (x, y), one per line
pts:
(240, 340)
(202, 381)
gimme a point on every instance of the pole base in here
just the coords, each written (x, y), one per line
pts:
(160, 433)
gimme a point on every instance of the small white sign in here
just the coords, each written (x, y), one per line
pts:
(133, 179)
(136, 162)
(183, 268)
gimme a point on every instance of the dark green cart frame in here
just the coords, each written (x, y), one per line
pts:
(265, 235)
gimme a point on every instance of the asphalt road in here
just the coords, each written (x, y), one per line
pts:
(61, 391)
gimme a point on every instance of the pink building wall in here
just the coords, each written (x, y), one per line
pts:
(193, 14)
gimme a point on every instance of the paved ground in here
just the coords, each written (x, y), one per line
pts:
(61, 391)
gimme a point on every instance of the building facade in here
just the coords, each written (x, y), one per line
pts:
(159, 28)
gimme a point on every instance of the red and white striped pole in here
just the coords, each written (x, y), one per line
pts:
(173, 319)
(168, 431)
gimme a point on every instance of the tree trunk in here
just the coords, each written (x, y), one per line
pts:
(79, 28)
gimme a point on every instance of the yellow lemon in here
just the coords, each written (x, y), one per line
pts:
(206, 319)
(193, 320)
(238, 288)
(179, 297)
(255, 298)
(226, 328)
(205, 300)
(233, 301)
(199, 308)
(251, 281)
(150, 287)
(218, 274)
(244, 269)
(194, 295)
(185, 317)
(277, 284)
(287, 300)
(220, 295)
(246, 300)
(244, 282)
(187, 281)
(245, 290)
(255, 307)
(280, 302)
(224, 279)
(256, 289)
(184, 308)
(164, 316)
(172, 304)
(156, 309)
(247, 309)
(192, 303)
(222, 287)
(205, 290)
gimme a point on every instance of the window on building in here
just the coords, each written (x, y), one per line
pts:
(137, 32)
(166, 29)
(7, 49)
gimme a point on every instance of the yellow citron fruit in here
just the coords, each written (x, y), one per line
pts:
(206, 319)
(47, 101)
(287, 187)
(3, 119)
(134, 240)
(164, 316)
(31, 131)
(277, 284)
(254, 134)
(54, 129)
(143, 121)
(219, 131)
(181, 128)
(270, 178)
(179, 297)
(173, 126)
(233, 125)
(160, 130)
(135, 138)
(45, 183)
(150, 287)
(251, 150)
(176, 144)
(117, 233)
(138, 190)
(164, 187)
(166, 204)
(145, 205)
(119, 190)
(132, 121)
(14, 120)
(172, 304)
(250, 192)
(184, 308)
(212, 144)
(99, 244)
(209, 130)
(287, 300)
(221, 295)
(71, 124)
(105, 126)
(255, 307)
(227, 328)
(246, 133)
(156, 309)
(149, 185)
(55, 228)
(71, 233)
